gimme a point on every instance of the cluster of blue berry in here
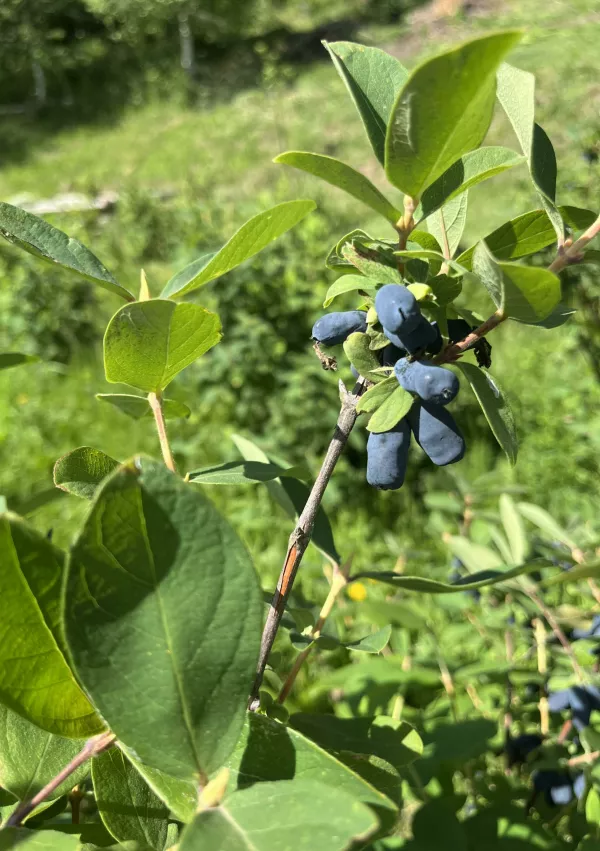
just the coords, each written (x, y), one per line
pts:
(411, 339)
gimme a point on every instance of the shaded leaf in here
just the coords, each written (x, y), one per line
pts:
(30, 646)
(137, 407)
(369, 260)
(35, 840)
(42, 240)
(373, 79)
(469, 170)
(516, 93)
(128, 807)
(181, 796)
(445, 289)
(157, 574)
(269, 751)
(448, 223)
(251, 238)
(525, 293)
(320, 818)
(30, 757)
(443, 111)
(80, 471)
(527, 233)
(495, 406)
(342, 176)
(357, 350)
(148, 343)
(9, 359)
(291, 495)
(390, 739)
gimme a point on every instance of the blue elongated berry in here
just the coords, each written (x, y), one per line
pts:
(397, 308)
(436, 433)
(391, 355)
(333, 328)
(431, 383)
(556, 786)
(519, 748)
(387, 457)
(423, 336)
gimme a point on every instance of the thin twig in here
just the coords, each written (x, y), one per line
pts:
(338, 582)
(571, 254)
(92, 747)
(155, 400)
(584, 758)
(555, 626)
(300, 537)
(455, 350)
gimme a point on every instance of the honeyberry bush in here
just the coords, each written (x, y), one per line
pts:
(140, 706)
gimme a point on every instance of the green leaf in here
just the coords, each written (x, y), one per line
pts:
(525, 293)
(251, 238)
(371, 262)
(356, 349)
(527, 233)
(515, 531)
(181, 796)
(391, 411)
(334, 259)
(80, 471)
(238, 473)
(495, 406)
(9, 359)
(395, 741)
(36, 840)
(377, 395)
(148, 343)
(474, 556)
(445, 289)
(319, 817)
(342, 176)
(37, 237)
(481, 579)
(35, 680)
(348, 284)
(269, 751)
(30, 757)
(137, 407)
(128, 807)
(400, 614)
(157, 574)
(469, 170)
(448, 223)
(592, 807)
(591, 257)
(544, 521)
(516, 93)
(373, 79)
(292, 495)
(373, 643)
(436, 818)
(443, 111)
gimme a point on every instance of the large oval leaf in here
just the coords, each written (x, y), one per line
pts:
(35, 679)
(251, 238)
(443, 111)
(162, 618)
(39, 238)
(319, 817)
(373, 79)
(344, 177)
(148, 343)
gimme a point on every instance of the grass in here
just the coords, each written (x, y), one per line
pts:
(215, 166)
